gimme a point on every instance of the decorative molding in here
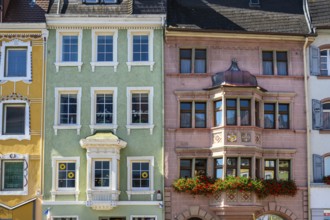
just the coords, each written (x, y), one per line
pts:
(14, 96)
(21, 36)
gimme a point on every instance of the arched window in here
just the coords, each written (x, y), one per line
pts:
(270, 217)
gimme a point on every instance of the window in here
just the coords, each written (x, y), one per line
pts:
(65, 176)
(218, 168)
(192, 60)
(186, 112)
(112, 218)
(218, 113)
(231, 112)
(140, 48)
(16, 61)
(68, 48)
(140, 175)
(15, 120)
(104, 108)
(280, 111)
(101, 173)
(277, 169)
(64, 218)
(245, 112)
(14, 173)
(100, 1)
(326, 115)
(67, 108)
(193, 167)
(237, 166)
(325, 62)
(104, 48)
(140, 108)
(275, 63)
(257, 113)
(143, 218)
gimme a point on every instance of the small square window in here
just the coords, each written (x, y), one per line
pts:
(272, 59)
(66, 175)
(192, 60)
(193, 167)
(188, 109)
(140, 175)
(13, 175)
(14, 119)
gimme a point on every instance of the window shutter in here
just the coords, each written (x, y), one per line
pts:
(314, 56)
(317, 115)
(318, 168)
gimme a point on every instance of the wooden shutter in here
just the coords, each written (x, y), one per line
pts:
(317, 115)
(314, 57)
(318, 168)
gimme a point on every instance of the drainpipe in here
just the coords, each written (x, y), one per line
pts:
(307, 124)
(163, 113)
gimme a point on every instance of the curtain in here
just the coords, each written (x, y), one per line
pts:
(282, 68)
(185, 66)
(200, 66)
(268, 67)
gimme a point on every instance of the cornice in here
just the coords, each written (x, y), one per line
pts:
(21, 36)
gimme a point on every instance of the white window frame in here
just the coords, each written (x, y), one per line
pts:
(327, 62)
(26, 135)
(67, 90)
(59, 38)
(3, 61)
(140, 191)
(62, 191)
(129, 92)
(95, 34)
(150, 62)
(110, 173)
(103, 90)
(16, 157)
(143, 216)
(67, 216)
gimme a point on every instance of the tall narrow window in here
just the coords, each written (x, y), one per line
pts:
(245, 111)
(270, 169)
(16, 62)
(104, 48)
(12, 177)
(325, 62)
(70, 48)
(13, 119)
(140, 107)
(231, 166)
(231, 112)
(185, 168)
(269, 115)
(200, 167)
(200, 61)
(104, 108)
(218, 168)
(282, 63)
(326, 115)
(267, 62)
(200, 114)
(68, 109)
(101, 173)
(284, 169)
(185, 60)
(326, 166)
(66, 175)
(257, 113)
(140, 48)
(245, 169)
(218, 113)
(283, 116)
(258, 168)
(140, 175)
(185, 114)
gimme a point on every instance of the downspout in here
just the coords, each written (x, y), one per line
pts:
(307, 125)
(163, 114)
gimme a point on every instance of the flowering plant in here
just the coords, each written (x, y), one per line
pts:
(326, 180)
(202, 185)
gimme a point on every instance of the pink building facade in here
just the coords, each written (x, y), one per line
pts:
(234, 121)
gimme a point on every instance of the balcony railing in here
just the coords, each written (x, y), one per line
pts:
(102, 199)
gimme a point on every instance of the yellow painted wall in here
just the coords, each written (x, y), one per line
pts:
(34, 92)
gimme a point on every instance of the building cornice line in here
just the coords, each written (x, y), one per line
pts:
(18, 205)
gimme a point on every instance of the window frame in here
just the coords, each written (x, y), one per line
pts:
(218, 167)
(276, 114)
(68, 190)
(60, 33)
(150, 62)
(277, 169)
(248, 109)
(143, 216)
(26, 135)
(93, 174)
(327, 57)
(67, 216)
(140, 190)
(193, 111)
(216, 110)
(193, 166)
(109, 32)
(193, 60)
(104, 90)
(235, 109)
(67, 90)
(150, 124)
(3, 61)
(275, 61)
(12, 157)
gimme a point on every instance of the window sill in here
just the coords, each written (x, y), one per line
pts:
(65, 192)
(146, 63)
(27, 80)
(324, 131)
(323, 77)
(17, 137)
(77, 64)
(67, 127)
(103, 127)
(189, 75)
(320, 185)
(140, 192)
(16, 193)
(95, 64)
(140, 126)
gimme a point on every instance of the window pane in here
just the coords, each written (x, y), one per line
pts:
(269, 115)
(326, 166)
(231, 166)
(104, 48)
(140, 108)
(13, 175)
(270, 169)
(231, 112)
(104, 108)
(267, 62)
(66, 174)
(16, 63)
(185, 114)
(14, 119)
(140, 43)
(200, 167)
(245, 111)
(283, 116)
(245, 167)
(218, 113)
(218, 168)
(68, 109)
(284, 169)
(70, 49)
(101, 173)
(185, 60)
(200, 115)
(140, 174)
(185, 168)
(200, 61)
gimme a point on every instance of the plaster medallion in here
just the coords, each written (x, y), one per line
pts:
(246, 137)
(232, 137)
